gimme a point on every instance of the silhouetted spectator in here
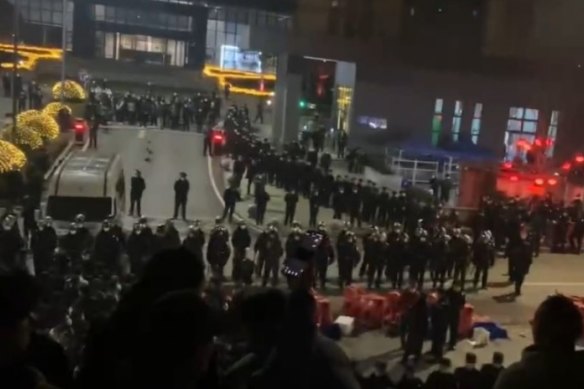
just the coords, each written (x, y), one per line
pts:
(551, 362)
(441, 378)
(468, 377)
(490, 371)
(27, 359)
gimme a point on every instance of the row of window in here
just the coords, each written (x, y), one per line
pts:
(522, 126)
(103, 13)
(251, 17)
(48, 12)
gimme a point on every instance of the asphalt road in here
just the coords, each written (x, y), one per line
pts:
(161, 155)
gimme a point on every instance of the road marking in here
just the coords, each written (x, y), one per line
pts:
(554, 284)
(86, 145)
(213, 183)
(142, 134)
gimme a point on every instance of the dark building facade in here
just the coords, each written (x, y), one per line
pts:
(182, 33)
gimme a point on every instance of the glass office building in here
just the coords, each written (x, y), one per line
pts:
(183, 33)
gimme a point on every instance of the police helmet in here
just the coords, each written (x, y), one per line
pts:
(80, 218)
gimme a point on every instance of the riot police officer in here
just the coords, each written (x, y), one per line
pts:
(269, 250)
(294, 240)
(397, 255)
(83, 234)
(218, 250)
(107, 248)
(195, 240)
(323, 256)
(439, 260)
(71, 251)
(140, 246)
(348, 256)
(520, 259)
(483, 253)
(43, 244)
(374, 255)
(420, 252)
(460, 251)
(241, 241)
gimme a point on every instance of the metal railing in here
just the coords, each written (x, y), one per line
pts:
(419, 172)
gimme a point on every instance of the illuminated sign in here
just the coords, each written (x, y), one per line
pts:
(372, 122)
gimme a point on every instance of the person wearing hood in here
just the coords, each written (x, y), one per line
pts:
(552, 361)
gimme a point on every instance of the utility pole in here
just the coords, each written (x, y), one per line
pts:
(15, 33)
(64, 52)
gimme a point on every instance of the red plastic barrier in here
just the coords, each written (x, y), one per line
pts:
(372, 314)
(466, 321)
(323, 312)
(391, 302)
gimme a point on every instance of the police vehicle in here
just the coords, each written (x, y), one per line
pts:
(89, 183)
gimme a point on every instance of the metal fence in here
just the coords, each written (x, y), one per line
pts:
(418, 171)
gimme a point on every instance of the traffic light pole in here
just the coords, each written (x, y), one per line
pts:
(15, 33)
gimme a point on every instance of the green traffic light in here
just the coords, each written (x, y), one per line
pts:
(302, 104)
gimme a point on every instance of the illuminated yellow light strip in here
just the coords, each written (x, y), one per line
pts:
(30, 54)
(222, 75)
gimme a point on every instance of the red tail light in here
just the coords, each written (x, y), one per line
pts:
(79, 127)
(579, 159)
(539, 181)
(552, 182)
(218, 138)
(514, 178)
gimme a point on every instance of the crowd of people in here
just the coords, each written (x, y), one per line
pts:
(28, 94)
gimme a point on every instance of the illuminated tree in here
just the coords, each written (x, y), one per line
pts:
(11, 157)
(41, 123)
(52, 109)
(24, 137)
(72, 91)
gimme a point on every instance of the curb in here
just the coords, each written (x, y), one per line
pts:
(59, 160)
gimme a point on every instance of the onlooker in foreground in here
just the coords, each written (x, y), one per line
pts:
(27, 359)
(441, 378)
(490, 371)
(552, 361)
(468, 377)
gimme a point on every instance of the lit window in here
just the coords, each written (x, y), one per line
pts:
(437, 121)
(475, 128)
(552, 133)
(457, 120)
(521, 129)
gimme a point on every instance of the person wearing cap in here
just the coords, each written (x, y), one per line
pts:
(27, 358)
(181, 193)
(137, 187)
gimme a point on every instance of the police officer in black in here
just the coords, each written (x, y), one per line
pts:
(374, 253)
(440, 259)
(420, 253)
(294, 240)
(140, 246)
(195, 240)
(397, 255)
(339, 202)
(323, 256)
(483, 252)
(137, 187)
(241, 241)
(460, 251)
(269, 250)
(181, 193)
(348, 255)
(313, 208)
(291, 200)
(520, 259)
(43, 244)
(455, 301)
(354, 205)
(230, 197)
(218, 250)
(107, 249)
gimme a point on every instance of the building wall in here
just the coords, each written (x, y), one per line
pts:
(407, 101)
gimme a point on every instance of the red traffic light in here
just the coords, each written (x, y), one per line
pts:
(539, 181)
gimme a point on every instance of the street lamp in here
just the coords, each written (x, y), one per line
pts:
(15, 28)
(64, 50)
